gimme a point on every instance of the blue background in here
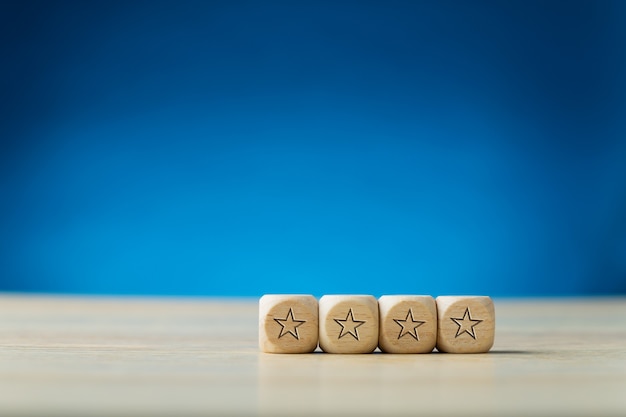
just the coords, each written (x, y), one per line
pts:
(241, 148)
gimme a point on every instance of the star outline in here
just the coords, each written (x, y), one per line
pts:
(404, 327)
(350, 317)
(290, 318)
(460, 322)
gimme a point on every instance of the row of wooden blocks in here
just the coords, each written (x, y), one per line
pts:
(361, 323)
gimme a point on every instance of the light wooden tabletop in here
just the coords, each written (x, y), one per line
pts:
(82, 356)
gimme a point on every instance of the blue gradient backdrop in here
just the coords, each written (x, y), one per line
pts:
(239, 148)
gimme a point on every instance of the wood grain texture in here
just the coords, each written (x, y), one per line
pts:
(466, 324)
(408, 323)
(84, 356)
(288, 323)
(348, 323)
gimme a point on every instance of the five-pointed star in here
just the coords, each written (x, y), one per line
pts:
(466, 324)
(349, 325)
(289, 325)
(409, 326)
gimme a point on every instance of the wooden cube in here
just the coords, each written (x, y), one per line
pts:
(466, 324)
(348, 323)
(408, 323)
(288, 323)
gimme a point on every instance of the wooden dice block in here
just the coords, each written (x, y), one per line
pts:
(408, 323)
(348, 323)
(466, 324)
(288, 323)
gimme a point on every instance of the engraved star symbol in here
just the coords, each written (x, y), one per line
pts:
(466, 324)
(349, 326)
(289, 325)
(409, 326)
